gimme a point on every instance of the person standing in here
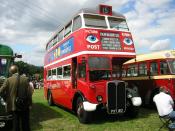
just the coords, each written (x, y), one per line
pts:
(14, 86)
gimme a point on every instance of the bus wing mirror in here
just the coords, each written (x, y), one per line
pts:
(18, 56)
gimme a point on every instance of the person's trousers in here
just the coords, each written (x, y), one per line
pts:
(172, 116)
(21, 120)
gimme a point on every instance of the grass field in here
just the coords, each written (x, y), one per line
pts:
(46, 118)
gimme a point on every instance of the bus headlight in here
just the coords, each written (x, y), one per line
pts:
(99, 98)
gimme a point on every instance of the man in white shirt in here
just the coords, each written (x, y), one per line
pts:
(165, 105)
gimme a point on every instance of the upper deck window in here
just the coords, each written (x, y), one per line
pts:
(95, 21)
(60, 35)
(77, 23)
(68, 29)
(117, 23)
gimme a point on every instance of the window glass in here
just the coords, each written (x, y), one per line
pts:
(172, 65)
(153, 68)
(68, 29)
(59, 73)
(4, 64)
(95, 21)
(54, 74)
(116, 71)
(82, 70)
(66, 72)
(77, 23)
(49, 75)
(99, 63)
(132, 70)
(142, 69)
(97, 75)
(123, 72)
(164, 67)
(117, 23)
(60, 35)
(54, 40)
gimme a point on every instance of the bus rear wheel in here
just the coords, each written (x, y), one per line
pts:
(50, 99)
(83, 116)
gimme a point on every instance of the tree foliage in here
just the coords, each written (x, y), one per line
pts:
(29, 70)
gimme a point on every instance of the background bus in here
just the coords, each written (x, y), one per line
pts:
(82, 59)
(150, 71)
(6, 59)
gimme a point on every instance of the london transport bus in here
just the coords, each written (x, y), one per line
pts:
(83, 65)
(6, 59)
(149, 72)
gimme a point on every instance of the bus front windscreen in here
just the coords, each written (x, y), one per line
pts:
(172, 65)
(3, 67)
(119, 24)
(95, 21)
(99, 68)
(99, 63)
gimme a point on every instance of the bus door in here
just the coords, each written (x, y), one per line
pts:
(82, 75)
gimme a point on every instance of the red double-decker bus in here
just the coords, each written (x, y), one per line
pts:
(83, 64)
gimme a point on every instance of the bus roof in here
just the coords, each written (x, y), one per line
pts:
(154, 55)
(84, 11)
(5, 50)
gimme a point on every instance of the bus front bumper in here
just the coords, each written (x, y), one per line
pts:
(89, 106)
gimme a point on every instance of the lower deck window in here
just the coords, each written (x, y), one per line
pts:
(66, 71)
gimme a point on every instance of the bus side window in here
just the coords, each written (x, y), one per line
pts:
(59, 73)
(76, 23)
(132, 70)
(164, 67)
(60, 35)
(124, 72)
(116, 71)
(68, 29)
(153, 68)
(82, 71)
(49, 75)
(54, 77)
(142, 69)
(66, 72)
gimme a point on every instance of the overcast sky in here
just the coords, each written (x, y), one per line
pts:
(26, 25)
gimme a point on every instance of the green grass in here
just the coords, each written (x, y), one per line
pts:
(46, 118)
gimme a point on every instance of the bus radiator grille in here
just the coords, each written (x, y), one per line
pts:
(116, 97)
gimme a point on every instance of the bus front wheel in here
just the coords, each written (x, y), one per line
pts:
(83, 116)
(49, 98)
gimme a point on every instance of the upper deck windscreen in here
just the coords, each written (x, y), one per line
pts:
(95, 21)
(117, 23)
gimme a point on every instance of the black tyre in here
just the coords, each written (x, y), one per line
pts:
(83, 116)
(50, 99)
(132, 111)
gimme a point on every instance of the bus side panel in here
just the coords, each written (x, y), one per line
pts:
(62, 93)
